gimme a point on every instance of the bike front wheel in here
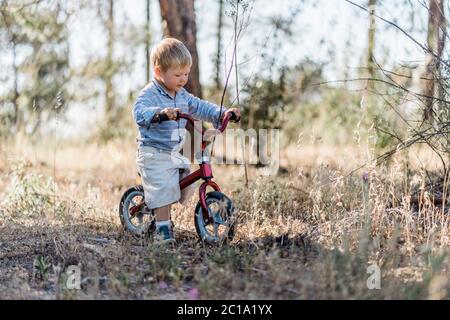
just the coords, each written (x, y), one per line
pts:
(220, 224)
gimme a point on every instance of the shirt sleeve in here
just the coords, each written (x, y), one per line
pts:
(144, 109)
(204, 110)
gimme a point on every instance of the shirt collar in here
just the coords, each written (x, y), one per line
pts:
(161, 88)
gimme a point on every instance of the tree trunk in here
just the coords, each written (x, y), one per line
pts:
(109, 92)
(179, 22)
(436, 42)
(16, 119)
(147, 44)
(219, 46)
(371, 42)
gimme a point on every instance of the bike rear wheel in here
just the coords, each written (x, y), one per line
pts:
(134, 214)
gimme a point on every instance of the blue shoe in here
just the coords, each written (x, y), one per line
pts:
(164, 234)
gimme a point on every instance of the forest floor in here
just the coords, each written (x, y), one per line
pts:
(309, 232)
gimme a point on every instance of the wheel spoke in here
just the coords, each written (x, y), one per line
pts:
(218, 219)
(216, 230)
(210, 213)
(217, 225)
(134, 212)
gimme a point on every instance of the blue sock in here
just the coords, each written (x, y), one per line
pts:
(163, 223)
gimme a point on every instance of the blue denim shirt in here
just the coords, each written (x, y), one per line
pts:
(168, 135)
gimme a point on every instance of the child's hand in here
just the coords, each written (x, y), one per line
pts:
(170, 112)
(236, 111)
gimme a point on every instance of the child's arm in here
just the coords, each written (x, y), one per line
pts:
(144, 110)
(204, 110)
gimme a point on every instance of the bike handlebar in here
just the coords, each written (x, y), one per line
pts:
(229, 116)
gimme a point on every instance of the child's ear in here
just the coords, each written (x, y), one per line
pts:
(157, 71)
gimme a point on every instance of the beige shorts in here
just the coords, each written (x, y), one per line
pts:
(161, 172)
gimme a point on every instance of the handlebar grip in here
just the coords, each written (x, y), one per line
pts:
(164, 117)
(234, 117)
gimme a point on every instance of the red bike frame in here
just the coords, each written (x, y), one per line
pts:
(205, 171)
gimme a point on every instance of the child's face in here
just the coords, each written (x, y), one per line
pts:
(174, 78)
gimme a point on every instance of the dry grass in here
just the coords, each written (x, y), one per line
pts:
(309, 233)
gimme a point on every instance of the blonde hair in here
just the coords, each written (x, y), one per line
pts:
(170, 53)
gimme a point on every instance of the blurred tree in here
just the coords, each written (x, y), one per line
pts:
(266, 100)
(179, 22)
(217, 60)
(113, 64)
(266, 94)
(147, 42)
(109, 72)
(436, 42)
(371, 41)
(36, 37)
